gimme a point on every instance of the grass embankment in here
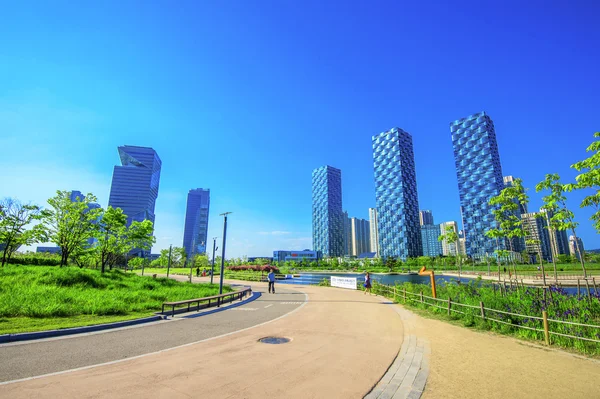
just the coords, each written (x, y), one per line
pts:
(528, 302)
(36, 298)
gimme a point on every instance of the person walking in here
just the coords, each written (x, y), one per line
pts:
(271, 280)
(367, 283)
(198, 271)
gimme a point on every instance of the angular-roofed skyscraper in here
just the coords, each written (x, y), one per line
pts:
(195, 233)
(479, 176)
(327, 214)
(396, 195)
(134, 186)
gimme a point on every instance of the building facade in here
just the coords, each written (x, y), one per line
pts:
(135, 183)
(360, 236)
(449, 249)
(396, 195)
(576, 247)
(559, 242)
(78, 196)
(347, 235)
(538, 238)
(327, 214)
(425, 217)
(429, 236)
(373, 233)
(195, 233)
(298, 256)
(479, 175)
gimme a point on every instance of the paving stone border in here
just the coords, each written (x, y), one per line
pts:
(407, 376)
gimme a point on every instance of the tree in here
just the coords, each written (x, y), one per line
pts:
(111, 236)
(496, 234)
(590, 178)
(561, 218)
(70, 223)
(14, 217)
(451, 238)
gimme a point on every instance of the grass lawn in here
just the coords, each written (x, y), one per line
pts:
(36, 298)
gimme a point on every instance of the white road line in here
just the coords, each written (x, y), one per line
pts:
(160, 351)
(290, 303)
(268, 306)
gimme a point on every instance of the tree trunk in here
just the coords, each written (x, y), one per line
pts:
(542, 265)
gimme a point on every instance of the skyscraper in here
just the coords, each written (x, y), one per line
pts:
(429, 236)
(134, 185)
(327, 214)
(479, 176)
(447, 248)
(195, 234)
(576, 247)
(509, 181)
(373, 236)
(425, 217)
(360, 236)
(537, 235)
(347, 234)
(396, 195)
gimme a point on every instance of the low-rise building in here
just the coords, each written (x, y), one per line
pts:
(283, 256)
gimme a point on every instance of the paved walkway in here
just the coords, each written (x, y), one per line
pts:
(343, 345)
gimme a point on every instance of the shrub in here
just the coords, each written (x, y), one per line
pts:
(253, 268)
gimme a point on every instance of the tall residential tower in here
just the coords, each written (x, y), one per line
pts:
(396, 195)
(373, 236)
(327, 214)
(195, 234)
(479, 176)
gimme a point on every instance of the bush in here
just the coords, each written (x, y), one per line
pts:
(253, 268)
(36, 259)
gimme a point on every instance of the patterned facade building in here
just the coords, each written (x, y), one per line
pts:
(396, 195)
(479, 176)
(373, 236)
(327, 214)
(425, 217)
(135, 183)
(429, 236)
(195, 233)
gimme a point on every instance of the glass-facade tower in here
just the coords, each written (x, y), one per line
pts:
(327, 214)
(479, 176)
(195, 233)
(134, 186)
(399, 228)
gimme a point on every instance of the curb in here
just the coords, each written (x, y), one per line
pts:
(75, 330)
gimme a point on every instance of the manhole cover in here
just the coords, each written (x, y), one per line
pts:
(274, 340)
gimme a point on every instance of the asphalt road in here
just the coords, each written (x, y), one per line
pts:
(34, 358)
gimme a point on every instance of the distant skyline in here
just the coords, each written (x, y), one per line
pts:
(248, 98)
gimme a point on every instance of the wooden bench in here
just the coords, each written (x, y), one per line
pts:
(219, 298)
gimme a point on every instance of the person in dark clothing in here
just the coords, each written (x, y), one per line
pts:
(197, 272)
(271, 280)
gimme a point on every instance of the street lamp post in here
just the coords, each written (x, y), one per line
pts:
(223, 251)
(169, 264)
(212, 272)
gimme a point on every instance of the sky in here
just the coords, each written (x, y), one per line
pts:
(248, 97)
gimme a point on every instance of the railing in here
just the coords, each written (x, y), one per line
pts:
(483, 312)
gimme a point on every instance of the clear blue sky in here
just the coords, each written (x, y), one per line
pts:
(248, 97)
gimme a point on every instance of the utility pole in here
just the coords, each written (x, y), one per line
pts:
(213, 259)
(169, 264)
(223, 250)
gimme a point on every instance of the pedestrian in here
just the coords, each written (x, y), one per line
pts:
(271, 280)
(198, 271)
(504, 269)
(204, 272)
(367, 283)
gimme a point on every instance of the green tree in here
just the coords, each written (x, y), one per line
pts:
(14, 218)
(589, 178)
(451, 238)
(561, 218)
(70, 223)
(111, 236)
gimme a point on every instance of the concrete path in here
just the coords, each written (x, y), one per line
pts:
(342, 343)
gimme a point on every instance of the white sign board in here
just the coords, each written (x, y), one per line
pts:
(343, 282)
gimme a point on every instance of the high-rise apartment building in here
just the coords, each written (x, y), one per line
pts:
(509, 181)
(195, 233)
(479, 176)
(134, 186)
(373, 236)
(396, 195)
(360, 236)
(429, 236)
(425, 218)
(327, 214)
(347, 235)
(559, 242)
(576, 247)
(538, 238)
(449, 249)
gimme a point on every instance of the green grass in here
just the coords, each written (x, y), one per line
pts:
(34, 298)
(528, 302)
